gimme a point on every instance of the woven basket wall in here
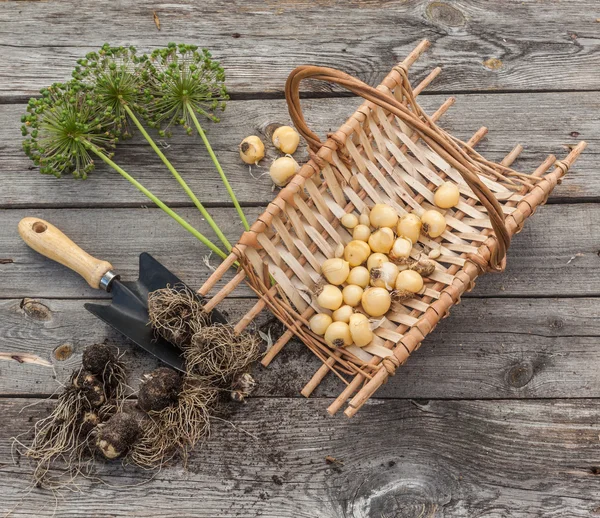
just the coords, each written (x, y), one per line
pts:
(389, 151)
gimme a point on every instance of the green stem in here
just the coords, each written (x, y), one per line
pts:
(218, 166)
(152, 197)
(179, 179)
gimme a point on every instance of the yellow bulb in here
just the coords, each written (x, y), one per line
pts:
(286, 139)
(319, 323)
(409, 226)
(383, 215)
(359, 275)
(360, 330)
(401, 249)
(343, 314)
(330, 297)
(447, 195)
(356, 252)
(381, 240)
(434, 223)
(252, 150)
(376, 301)
(363, 219)
(376, 260)
(349, 220)
(409, 280)
(435, 253)
(384, 276)
(352, 294)
(361, 233)
(282, 170)
(335, 270)
(338, 335)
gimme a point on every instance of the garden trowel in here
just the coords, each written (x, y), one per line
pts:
(128, 311)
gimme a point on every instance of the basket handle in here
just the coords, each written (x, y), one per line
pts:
(434, 136)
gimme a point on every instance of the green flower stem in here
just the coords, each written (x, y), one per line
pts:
(218, 166)
(179, 179)
(159, 203)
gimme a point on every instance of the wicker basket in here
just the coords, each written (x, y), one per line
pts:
(391, 152)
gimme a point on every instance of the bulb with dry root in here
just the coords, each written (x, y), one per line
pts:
(252, 150)
(117, 435)
(376, 260)
(218, 352)
(176, 429)
(175, 312)
(423, 267)
(434, 223)
(384, 276)
(104, 362)
(282, 170)
(90, 387)
(63, 440)
(243, 385)
(159, 390)
(286, 139)
(338, 335)
(401, 250)
(408, 283)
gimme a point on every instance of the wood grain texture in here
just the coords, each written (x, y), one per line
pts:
(489, 348)
(538, 260)
(47, 240)
(483, 46)
(399, 458)
(542, 123)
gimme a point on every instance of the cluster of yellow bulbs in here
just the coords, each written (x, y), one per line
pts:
(286, 139)
(375, 268)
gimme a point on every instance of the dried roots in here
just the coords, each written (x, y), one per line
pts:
(175, 312)
(67, 435)
(176, 429)
(218, 352)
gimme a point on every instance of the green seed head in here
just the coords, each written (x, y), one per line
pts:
(182, 79)
(115, 74)
(61, 126)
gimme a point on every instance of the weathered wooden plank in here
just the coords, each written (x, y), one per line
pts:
(118, 236)
(489, 348)
(398, 458)
(543, 123)
(483, 46)
(538, 263)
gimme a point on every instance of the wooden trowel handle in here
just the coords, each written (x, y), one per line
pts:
(47, 240)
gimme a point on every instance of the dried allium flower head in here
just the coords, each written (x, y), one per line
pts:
(118, 78)
(62, 126)
(183, 78)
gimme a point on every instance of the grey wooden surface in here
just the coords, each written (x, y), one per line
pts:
(496, 415)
